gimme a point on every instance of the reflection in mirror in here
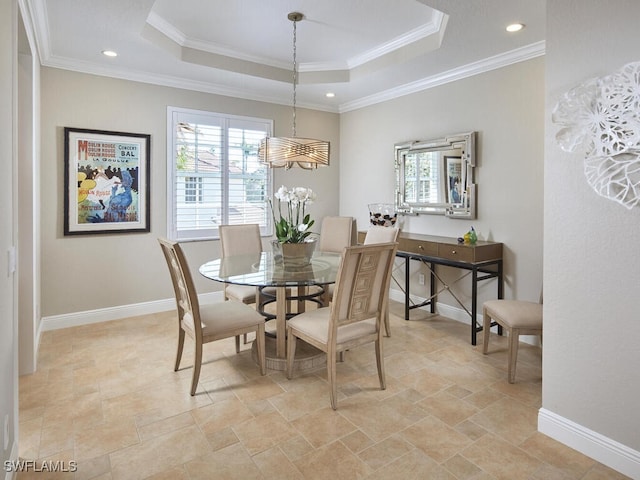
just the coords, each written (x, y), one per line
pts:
(436, 176)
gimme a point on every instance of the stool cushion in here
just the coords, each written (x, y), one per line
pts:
(515, 313)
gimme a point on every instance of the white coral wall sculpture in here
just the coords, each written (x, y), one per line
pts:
(602, 117)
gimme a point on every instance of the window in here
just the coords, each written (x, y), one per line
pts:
(193, 189)
(422, 178)
(214, 176)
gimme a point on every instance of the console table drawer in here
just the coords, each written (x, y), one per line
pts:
(459, 253)
(419, 247)
(445, 248)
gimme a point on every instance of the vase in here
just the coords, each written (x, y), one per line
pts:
(293, 255)
(382, 214)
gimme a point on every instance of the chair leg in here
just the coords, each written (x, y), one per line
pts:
(486, 330)
(291, 352)
(380, 364)
(260, 344)
(514, 342)
(180, 347)
(387, 329)
(197, 363)
(331, 377)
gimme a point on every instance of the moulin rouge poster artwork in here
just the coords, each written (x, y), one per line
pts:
(106, 182)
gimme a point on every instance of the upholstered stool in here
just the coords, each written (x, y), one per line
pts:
(517, 317)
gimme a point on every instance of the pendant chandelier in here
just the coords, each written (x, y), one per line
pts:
(286, 152)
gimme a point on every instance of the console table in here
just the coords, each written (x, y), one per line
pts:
(482, 259)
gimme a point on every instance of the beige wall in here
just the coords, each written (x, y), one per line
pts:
(505, 107)
(592, 265)
(82, 273)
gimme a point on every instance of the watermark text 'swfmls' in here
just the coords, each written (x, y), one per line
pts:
(43, 466)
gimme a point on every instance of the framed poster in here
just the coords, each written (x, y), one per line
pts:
(455, 180)
(106, 182)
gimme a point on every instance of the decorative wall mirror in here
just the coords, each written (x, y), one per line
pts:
(437, 176)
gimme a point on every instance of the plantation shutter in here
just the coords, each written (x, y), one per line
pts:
(215, 177)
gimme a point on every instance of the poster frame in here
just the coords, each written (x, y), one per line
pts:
(100, 197)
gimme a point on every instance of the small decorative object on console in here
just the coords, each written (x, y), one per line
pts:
(469, 237)
(382, 214)
(473, 237)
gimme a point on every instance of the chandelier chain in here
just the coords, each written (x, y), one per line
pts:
(295, 77)
(286, 152)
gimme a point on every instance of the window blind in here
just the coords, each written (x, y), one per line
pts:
(214, 176)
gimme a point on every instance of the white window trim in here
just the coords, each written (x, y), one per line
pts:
(172, 231)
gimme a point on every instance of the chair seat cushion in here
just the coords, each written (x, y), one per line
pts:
(315, 323)
(515, 313)
(241, 293)
(222, 317)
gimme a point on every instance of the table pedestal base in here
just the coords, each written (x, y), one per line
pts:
(307, 357)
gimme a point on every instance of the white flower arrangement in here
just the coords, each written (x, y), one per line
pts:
(294, 225)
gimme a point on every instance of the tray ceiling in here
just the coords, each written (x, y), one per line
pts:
(363, 51)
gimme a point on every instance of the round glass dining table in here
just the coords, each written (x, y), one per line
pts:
(266, 270)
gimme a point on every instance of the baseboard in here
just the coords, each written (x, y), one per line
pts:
(456, 313)
(74, 319)
(592, 444)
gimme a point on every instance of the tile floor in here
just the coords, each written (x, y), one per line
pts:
(105, 396)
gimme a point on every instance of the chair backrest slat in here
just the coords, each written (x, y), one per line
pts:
(362, 284)
(183, 286)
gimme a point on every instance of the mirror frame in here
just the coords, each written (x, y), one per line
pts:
(466, 144)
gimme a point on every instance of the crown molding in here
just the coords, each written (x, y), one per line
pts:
(35, 18)
(176, 82)
(491, 63)
(178, 37)
(432, 28)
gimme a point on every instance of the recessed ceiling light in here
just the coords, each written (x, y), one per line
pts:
(329, 94)
(515, 27)
(109, 53)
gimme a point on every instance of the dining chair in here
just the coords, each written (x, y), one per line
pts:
(379, 234)
(239, 240)
(517, 317)
(355, 315)
(210, 322)
(336, 233)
